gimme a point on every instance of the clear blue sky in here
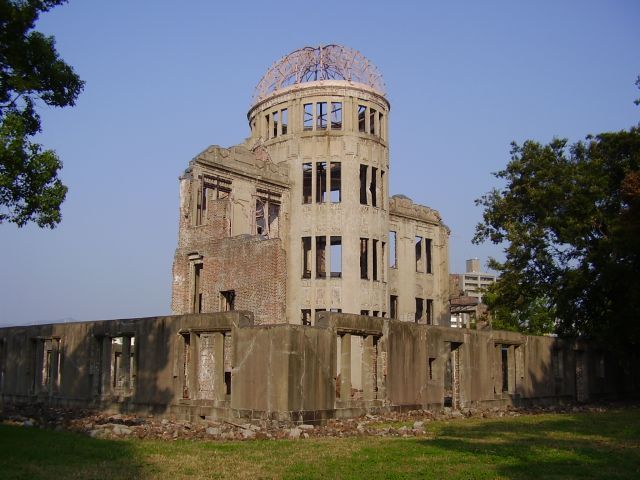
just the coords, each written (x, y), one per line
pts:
(166, 79)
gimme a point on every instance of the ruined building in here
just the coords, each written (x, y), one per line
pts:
(298, 218)
(301, 290)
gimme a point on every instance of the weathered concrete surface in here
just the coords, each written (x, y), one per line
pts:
(220, 365)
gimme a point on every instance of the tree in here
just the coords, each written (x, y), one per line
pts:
(31, 73)
(570, 218)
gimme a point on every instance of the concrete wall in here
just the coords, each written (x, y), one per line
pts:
(221, 365)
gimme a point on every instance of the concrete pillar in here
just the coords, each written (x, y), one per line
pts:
(105, 366)
(368, 368)
(345, 367)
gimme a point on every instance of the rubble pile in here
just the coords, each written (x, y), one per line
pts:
(389, 424)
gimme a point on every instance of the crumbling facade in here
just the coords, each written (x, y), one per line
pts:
(302, 207)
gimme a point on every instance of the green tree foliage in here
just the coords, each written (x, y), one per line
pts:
(31, 73)
(569, 216)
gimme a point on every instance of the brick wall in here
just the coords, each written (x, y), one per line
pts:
(254, 268)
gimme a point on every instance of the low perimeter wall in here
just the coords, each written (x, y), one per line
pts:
(221, 365)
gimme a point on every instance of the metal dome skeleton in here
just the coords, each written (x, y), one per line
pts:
(311, 64)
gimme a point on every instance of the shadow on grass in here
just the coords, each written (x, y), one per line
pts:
(31, 453)
(570, 446)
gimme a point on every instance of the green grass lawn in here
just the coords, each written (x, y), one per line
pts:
(584, 445)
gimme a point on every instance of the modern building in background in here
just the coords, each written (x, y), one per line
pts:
(298, 218)
(466, 290)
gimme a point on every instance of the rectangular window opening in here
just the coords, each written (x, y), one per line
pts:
(364, 312)
(196, 302)
(362, 111)
(284, 121)
(431, 360)
(380, 125)
(306, 257)
(274, 127)
(373, 186)
(382, 198)
(307, 117)
(227, 300)
(307, 177)
(321, 256)
(363, 184)
(393, 258)
(504, 355)
(374, 251)
(321, 182)
(336, 182)
(321, 116)
(429, 311)
(336, 115)
(372, 121)
(336, 257)
(364, 258)
(419, 266)
(419, 309)
(428, 246)
(266, 126)
(305, 316)
(267, 214)
(393, 306)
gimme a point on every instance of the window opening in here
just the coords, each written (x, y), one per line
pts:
(364, 312)
(372, 121)
(505, 368)
(362, 110)
(186, 353)
(336, 182)
(305, 316)
(307, 178)
(363, 184)
(336, 257)
(267, 214)
(196, 303)
(393, 259)
(227, 300)
(383, 261)
(419, 309)
(321, 256)
(372, 186)
(306, 257)
(382, 198)
(266, 125)
(376, 313)
(364, 258)
(274, 128)
(380, 125)
(428, 244)
(284, 121)
(374, 252)
(429, 311)
(321, 116)
(212, 189)
(431, 360)
(307, 117)
(335, 310)
(419, 267)
(321, 182)
(336, 115)
(393, 306)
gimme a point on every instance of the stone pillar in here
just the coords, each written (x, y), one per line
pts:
(368, 368)
(345, 367)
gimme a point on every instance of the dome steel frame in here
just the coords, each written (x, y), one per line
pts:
(311, 64)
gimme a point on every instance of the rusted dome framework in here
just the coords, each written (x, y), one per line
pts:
(311, 64)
